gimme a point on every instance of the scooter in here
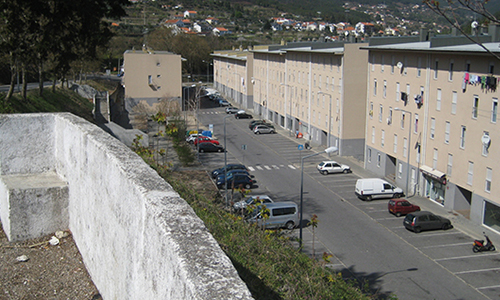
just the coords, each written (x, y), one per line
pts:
(481, 245)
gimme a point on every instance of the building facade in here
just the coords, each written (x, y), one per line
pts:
(431, 120)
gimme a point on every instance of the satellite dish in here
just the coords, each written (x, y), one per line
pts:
(485, 139)
(399, 65)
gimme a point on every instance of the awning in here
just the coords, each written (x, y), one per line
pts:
(434, 174)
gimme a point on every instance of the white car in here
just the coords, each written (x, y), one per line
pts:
(190, 139)
(251, 200)
(327, 167)
(232, 110)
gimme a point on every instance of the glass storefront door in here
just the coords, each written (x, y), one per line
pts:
(434, 190)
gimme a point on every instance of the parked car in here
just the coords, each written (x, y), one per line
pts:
(401, 207)
(241, 205)
(425, 220)
(244, 115)
(263, 129)
(230, 167)
(327, 167)
(259, 122)
(373, 188)
(190, 139)
(236, 180)
(235, 171)
(277, 215)
(223, 102)
(210, 147)
(232, 110)
(205, 139)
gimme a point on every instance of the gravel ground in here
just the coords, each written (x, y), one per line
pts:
(51, 272)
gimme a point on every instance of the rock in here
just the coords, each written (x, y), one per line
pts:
(61, 234)
(54, 241)
(22, 258)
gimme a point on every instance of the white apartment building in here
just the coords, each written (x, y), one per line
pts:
(431, 121)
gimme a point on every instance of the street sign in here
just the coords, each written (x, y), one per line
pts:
(301, 147)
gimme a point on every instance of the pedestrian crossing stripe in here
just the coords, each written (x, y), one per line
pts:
(272, 167)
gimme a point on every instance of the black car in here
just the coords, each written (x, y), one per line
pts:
(243, 116)
(231, 172)
(425, 220)
(219, 171)
(209, 147)
(235, 181)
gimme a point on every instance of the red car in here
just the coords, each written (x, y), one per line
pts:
(205, 139)
(401, 207)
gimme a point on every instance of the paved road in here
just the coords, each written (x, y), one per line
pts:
(367, 242)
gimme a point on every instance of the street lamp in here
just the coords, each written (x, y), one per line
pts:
(225, 160)
(327, 151)
(408, 149)
(329, 117)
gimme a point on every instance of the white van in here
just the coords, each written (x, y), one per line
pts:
(279, 215)
(373, 188)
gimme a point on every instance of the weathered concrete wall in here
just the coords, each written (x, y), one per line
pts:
(138, 238)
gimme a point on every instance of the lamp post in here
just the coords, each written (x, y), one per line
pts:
(408, 149)
(225, 160)
(329, 118)
(327, 151)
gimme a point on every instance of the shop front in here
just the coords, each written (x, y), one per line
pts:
(435, 184)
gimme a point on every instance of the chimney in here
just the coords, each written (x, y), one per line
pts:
(424, 34)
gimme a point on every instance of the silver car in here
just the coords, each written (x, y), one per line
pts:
(263, 129)
(327, 167)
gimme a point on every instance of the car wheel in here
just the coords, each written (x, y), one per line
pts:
(290, 225)
(446, 226)
(219, 150)
(369, 198)
(398, 214)
(248, 186)
(324, 172)
(346, 171)
(257, 132)
(417, 229)
(201, 150)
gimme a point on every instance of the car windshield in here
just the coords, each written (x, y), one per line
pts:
(322, 164)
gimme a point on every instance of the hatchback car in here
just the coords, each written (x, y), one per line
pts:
(259, 122)
(241, 205)
(223, 102)
(219, 171)
(243, 115)
(232, 110)
(425, 220)
(236, 180)
(235, 171)
(401, 207)
(327, 167)
(210, 147)
(205, 139)
(190, 139)
(263, 129)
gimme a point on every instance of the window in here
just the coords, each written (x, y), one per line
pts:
(419, 66)
(475, 105)
(491, 68)
(402, 120)
(380, 113)
(150, 79)
(369, 154)
(398, 92)
(382, 139)
(467, 66)
(389, 118)
(447, 133)
(450, 164)
(375, 87)
(405, 147)
(408, 90)
(333, 84)
(486, 145)
(436, 66)
(415, 127)
(378, 160)
(462, 137)
(400, 170)
(373, 135)
(326, 83)
(373, 62)
(393, 62)
(371, 110)
(494, 110)
(382, 63)
(395, 143)
(450, 70)
(438, 99)
(489, 174)
(435, 159)
(433, 127)
(385, 89)
(470, 173)
(454, 103)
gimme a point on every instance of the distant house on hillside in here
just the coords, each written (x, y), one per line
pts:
(212, 20)
(365, 28)
(220, 31)
(190, 14)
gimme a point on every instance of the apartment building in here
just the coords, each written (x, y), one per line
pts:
(149, 77)
(431, 120)
(317, 89)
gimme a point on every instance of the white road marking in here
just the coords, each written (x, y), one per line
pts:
(476, 271)
(251, 168)
(446, 245)
(468, 256)
(291, 167)
(275, 167)
(259, 167)
(267, 167)
(488, 287)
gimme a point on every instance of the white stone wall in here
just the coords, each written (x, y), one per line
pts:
(137, 237)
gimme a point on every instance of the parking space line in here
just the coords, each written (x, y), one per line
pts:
(468, 256)
(384, 210)
(446, 245)
(291, 167)
(437, 234)
(251, 169)
(476, 271)
(488, 287)
(382, 219)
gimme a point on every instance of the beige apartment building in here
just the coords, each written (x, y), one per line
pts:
(316, 89)
(149, 77)
(431, 121)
